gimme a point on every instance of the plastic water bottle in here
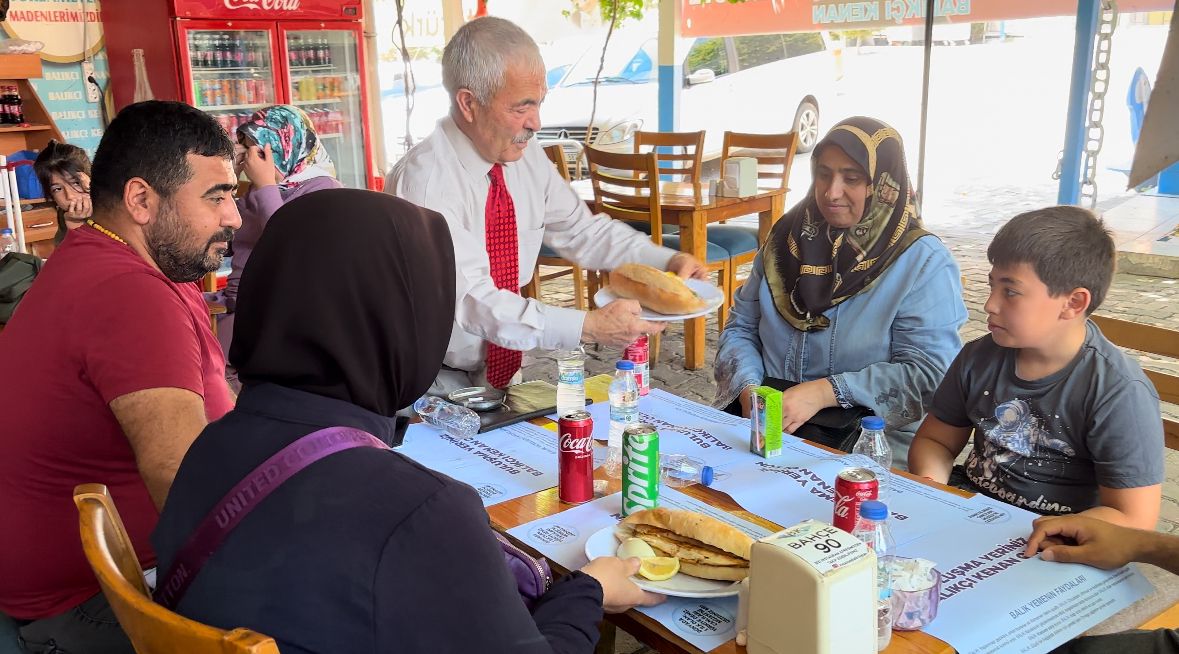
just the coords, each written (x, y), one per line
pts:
(570, 381)
(458, 421)
(874, 445)
(7, 241)
(624, 410)
(678, 470)
(872, 529)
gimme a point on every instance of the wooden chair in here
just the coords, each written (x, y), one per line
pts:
(685, 164)
(151, 628)
(548, 257)
(775, 155)
(209, 285)
(1152, 340)
(626, 187)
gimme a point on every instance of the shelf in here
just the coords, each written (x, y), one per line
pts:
(331, 136)
(234, 107)
(258, 69)
(320, 68)
(304, 103)
(24, 128)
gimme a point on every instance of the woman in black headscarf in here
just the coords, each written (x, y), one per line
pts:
(364, 550)
(850, 302)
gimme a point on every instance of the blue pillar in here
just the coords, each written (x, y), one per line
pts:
(670, 73)
(1076, 118)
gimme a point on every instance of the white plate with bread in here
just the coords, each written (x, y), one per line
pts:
(713, 556)
(663, 295)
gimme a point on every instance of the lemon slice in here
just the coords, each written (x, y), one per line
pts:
(659, 568)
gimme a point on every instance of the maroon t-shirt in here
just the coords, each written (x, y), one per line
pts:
(98, 323)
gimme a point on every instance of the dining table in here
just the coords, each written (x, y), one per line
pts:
(522, 510)
(692, 208)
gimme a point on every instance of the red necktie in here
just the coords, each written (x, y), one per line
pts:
(503, 252)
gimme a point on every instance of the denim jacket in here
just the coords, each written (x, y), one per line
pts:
(887, 348)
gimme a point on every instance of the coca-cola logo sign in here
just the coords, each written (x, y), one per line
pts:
(263, 5)
(843, 505)
(571, 444)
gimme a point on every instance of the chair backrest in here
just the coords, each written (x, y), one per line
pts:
(556, 154)
(774, 153)
(678, 154)
(1152, 340)
(626, 187)
(151, 628)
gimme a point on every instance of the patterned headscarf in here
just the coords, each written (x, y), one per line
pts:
(298, 153)
(811, 266)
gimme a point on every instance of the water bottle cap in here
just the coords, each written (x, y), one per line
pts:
(6, 230)
(706, 475)
(872, 422)
(625, 365)
(873, 510)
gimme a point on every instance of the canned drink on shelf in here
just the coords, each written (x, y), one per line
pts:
(575, 457)
(853, 486)
(640, 468)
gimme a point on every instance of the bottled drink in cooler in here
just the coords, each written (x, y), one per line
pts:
(872, 529)
(624, 411)
(325, 53)
(237, 51)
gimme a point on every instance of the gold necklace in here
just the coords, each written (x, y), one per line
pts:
(106, 231)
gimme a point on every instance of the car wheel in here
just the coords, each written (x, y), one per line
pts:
(806, 123)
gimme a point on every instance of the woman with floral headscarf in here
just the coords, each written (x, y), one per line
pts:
(850, 300)
(283, 158)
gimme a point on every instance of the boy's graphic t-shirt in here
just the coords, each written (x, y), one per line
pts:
(1046, 445)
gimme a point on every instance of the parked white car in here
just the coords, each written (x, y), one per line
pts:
(762, 83)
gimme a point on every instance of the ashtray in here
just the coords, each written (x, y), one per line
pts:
(478, 398)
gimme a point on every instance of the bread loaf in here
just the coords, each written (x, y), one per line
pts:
(705, 546)
(654, 289)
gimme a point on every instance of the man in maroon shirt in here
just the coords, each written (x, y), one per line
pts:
(111, 369)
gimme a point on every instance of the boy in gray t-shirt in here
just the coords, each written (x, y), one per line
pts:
(1063, 421)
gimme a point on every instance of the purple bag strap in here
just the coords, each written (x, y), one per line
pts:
(245, 497)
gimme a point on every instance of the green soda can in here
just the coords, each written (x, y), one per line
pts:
(640, 468)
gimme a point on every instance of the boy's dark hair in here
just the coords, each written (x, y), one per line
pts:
(63, 159)
(1068, 247)
(151, 140)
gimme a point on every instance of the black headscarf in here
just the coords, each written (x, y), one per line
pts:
(811, 266)
(349, 294)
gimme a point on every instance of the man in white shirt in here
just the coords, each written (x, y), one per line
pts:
(499, 193)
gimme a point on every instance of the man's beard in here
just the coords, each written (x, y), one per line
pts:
(167, 238)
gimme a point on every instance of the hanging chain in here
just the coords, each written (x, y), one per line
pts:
(1095, 129)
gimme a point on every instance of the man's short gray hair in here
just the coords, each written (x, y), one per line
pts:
(480, 51)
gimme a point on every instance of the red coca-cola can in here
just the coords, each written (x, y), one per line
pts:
(575, 457)
(853, 486)
(640, 353)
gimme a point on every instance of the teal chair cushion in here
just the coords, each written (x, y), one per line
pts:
(735, 239)
(546, 251)
(716, 253)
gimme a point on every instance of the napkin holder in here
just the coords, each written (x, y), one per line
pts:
(738, 177)
(830, 606)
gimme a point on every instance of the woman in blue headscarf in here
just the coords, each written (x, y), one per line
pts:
(283, 158)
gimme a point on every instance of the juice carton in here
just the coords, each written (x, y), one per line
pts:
(765, 422)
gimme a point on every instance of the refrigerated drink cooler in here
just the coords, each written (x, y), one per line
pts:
(233, 57)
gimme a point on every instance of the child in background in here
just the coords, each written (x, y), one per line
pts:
(1063, 421)
(64, 173)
